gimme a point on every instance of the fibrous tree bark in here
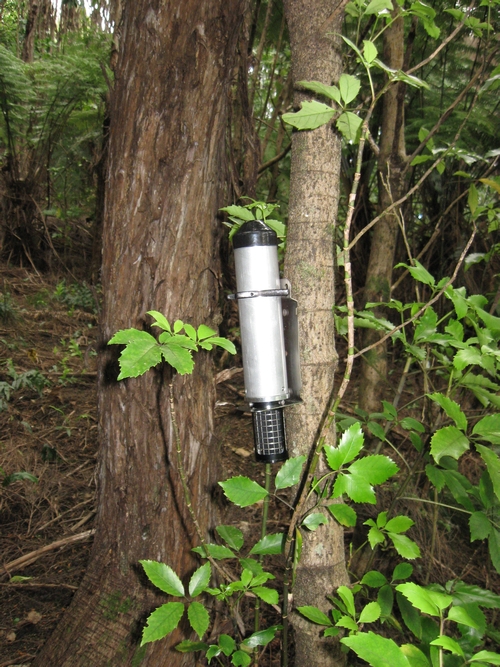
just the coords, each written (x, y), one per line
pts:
(166, 160)
(391, 162)
(309, 264)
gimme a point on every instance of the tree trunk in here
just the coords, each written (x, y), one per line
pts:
(391, 161)
(309, 264)
(166, 157)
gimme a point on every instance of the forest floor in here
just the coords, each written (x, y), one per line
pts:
(48, 451)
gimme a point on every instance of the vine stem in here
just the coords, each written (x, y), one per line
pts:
(263, 532)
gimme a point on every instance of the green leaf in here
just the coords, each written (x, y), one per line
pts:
(451, 408)
(227, 644)
(419, 272)
(470, 356)
(262, 637)
(351, 443)
(375, 536)
(163, 577)
(241, 659)
(385, 598)
(349, 124)
(378, 6)
(349, 87)
(348, 623)
(415, 656)
(473, 199)
(216, 551)
(178, 357)
(362, 474)
(314, 521)
(315, 615)
(399, 524)
(242, 491)
(411, 616)
(290, 472)
(218, 342)
(345, 594)
(141, 353)
(448, 441)
(494, 548)
(492, 465)
(427, 601)
(188, 646)
(311, 115)
(190, 332)
(374, 579)
(198, 618)
(376, 429)
(376, 650)
(199, 580)
(269, 595)
(332, 92)
(19, 476)
(342, 513)
(449, 644)
(369, 51)
(402, 571)
(162, 621)
(239, 212)
(232, 536)
(461, 615)
(404, 546)
(409, 424)
(479, 526)
(486, 656)
(488, 428)
(370, 613)
(269, 544)
(160, 320)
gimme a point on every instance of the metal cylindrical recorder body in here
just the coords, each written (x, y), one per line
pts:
(260, 295)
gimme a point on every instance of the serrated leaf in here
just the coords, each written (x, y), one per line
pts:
(402, 571)
(376, 429)
(435, 476)
(311, 116)
(469, 594)
(216, 551)
(376, 650)
(377, 6)
(141, 353)
(399, 524)
(494, 548)
(314, 521)
(415, 656)
(199, 580)
(178, 357)
(369, 51)
(242, 491)
(488, 428)
(205, 332)
(332, 92)
(160, 320)
(419, 272)
(475, 620)
(188, 646)
(448, 441)
(349, 87)
(449, 644)
(411, 616)
(404, 546)
(349, 124)
(198, 618)
(315, 615)
(348, 623)
(190, 332)
(331, 632)
(358, 479)
(375, 536)
(163, 577)
(385, 598)
(262, 637)
(239, 212)
(470, 356)
(479, 526)
(429, 602)
(232, 536)
(220, 342)
(269, 595)
(345, 594)
(351, 443)
(290, 472)
(162, 621)
(374, 579)
(241, 659)
(269, 544)
(451, 408)
(342, 513)
(370, 613)
(486, 656)
(493, 466)
(227, 644)
(410, 424)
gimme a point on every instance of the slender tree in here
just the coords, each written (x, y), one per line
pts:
(309, 264)
(166, 157)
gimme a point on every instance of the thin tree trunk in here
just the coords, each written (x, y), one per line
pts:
(166, 161)
(309, 264)
(391, 161)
